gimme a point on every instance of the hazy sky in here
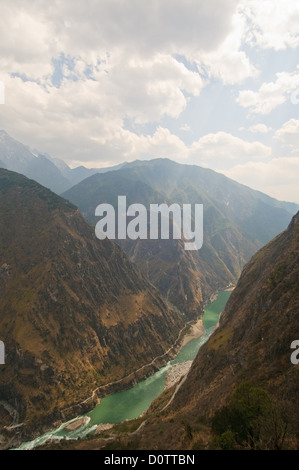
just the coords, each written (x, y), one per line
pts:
(215, 83)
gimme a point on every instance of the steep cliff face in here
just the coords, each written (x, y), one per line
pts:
(253, 341)
(237, 221)
(75, 313)
(251, 345)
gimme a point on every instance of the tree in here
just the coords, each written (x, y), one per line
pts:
(252, 419)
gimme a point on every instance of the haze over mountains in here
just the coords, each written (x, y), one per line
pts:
(237, 219)
(52, 173)
(237, 222)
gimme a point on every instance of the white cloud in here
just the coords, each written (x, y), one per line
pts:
(228, 62)
(273, 23)
(170, 26)
(128, 48)
(28, 42)
(222, 150)
(288, 134)
(260, 128)
(35, 32)
(268, 24)
(163, 144)
(86, 117)
(146, 90)
(140, 62)
(271, 94)
(185, 128)
(277, 177)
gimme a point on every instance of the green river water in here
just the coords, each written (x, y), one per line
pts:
(131, 403)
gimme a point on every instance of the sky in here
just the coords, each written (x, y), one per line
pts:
(213, 83)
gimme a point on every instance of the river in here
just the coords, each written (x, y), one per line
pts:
(131, 403)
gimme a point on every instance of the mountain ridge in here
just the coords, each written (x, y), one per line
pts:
(75, 313)
(237, 222)
(52, 173)
(242, 380)
(252, 345)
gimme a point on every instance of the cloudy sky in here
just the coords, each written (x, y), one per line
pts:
(213, 83)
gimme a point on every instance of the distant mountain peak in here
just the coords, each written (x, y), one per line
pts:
(49, 171)
(237, 222)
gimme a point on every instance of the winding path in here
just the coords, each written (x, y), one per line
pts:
(90, 398)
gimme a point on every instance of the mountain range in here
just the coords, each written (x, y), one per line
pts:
(237, 221)
(75, 313)
(53, 173)
(82, 318)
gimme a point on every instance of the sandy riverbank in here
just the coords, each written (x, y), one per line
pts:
(78, 423)
(103, 427)
(176, 373)
(196, 331)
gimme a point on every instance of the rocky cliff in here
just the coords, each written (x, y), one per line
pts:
(75, 313)
(244, 373)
